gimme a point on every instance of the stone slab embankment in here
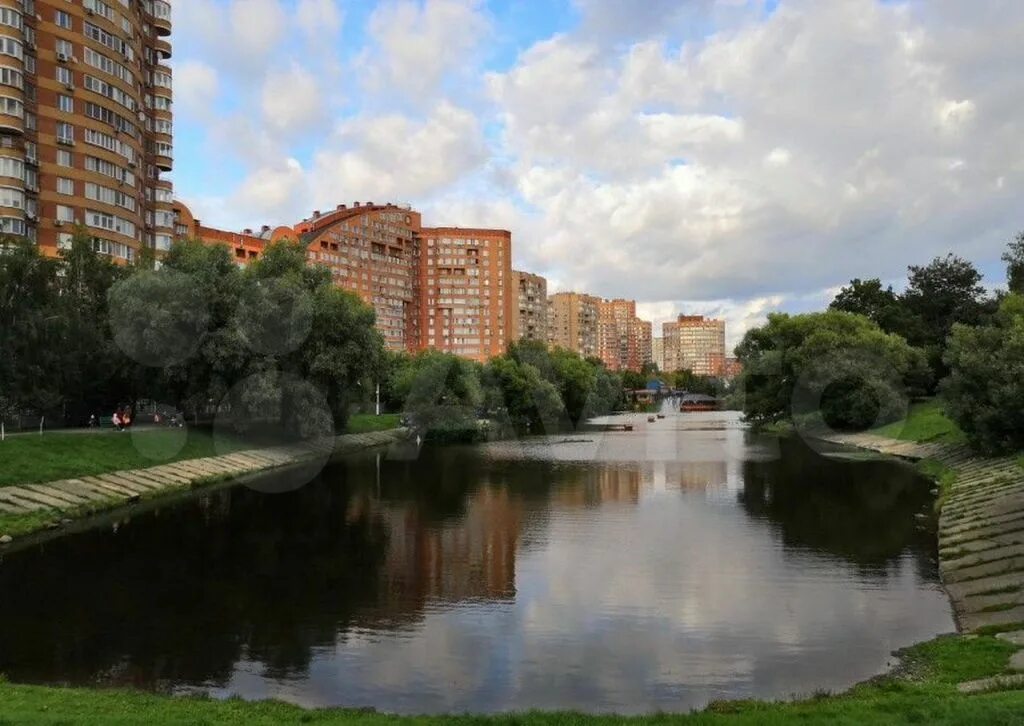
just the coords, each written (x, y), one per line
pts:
(70, 498)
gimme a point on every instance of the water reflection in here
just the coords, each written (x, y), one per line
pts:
(712, 564)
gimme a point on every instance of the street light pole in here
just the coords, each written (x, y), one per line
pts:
(378, 399)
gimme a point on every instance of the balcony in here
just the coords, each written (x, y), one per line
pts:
(162, 17)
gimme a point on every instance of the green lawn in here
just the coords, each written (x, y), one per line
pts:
(922, 690)
(925, 422)
(364, 423)
(30, 458)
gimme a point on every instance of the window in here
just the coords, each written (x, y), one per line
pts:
(64, 48)
(30, 121)
(65, 186)
(10, 17)
(14, 168)
(30, 64)
(64, 240)
(111, 222)
(65, 213)
(109, 196)
(163, 195)
(9, 46)
(64, 158)
(100, 8)
(104, 38)
(101, 62)
(62, 19)
(162, 241)
(11, 197)
(65, 133)
(12, 107)
(30, 152)
(11, 77)
(65, 103)
(65, 76)
(12, 225)
(108, 142)
(109, 91)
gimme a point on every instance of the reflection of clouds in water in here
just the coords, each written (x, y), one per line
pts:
(635, 608)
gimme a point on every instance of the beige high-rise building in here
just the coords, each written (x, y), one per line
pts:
(531, 320)
(645, 344)
(573, 322)
(695, 343)
(658, 353)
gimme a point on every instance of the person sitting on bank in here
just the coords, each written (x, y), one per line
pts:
(116, 419)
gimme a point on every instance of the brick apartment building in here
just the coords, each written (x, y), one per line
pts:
(531, 320)
(695, 343)
(573, 322)
(446, 288)
(85, 123)
(605, 329)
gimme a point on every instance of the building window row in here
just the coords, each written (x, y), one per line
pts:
(108, 142)
(13, 225)
(109, 40)
(12, 106)
(110, 222)
(11, 77)
(108, 66)
(112, 118)
(13, 168)
(114, 249)
(109, 196)
(107, 168)
(109, 91)
(12, 197)
(9, 46)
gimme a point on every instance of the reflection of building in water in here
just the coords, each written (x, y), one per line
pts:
(696, 474)
(607, 484)
(472, 557)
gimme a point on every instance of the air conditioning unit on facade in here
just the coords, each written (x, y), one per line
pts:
(58, 223)
(63, 58)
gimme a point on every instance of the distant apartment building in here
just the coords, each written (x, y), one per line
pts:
(446, 288)
(573, 322)
(695, 343)
(658, 353)
(733, 368)
(531, 320)
(468, 304)
(645, 343)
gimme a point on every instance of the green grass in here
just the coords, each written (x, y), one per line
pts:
(29, 458)
(943, 475)
(925, 422)
(921, 690)
(364, 423)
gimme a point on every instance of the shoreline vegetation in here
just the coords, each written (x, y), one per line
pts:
(922, 688)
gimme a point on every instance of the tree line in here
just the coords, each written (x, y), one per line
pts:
(274, 341)
(857, 364)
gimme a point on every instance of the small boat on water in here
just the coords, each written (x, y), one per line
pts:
(650, 419)
(661, 415)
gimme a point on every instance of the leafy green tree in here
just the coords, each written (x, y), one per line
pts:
(878, 304)
(832, 368)
(939, 295)
(1014, 259)
(441, 392)
(517, 394)
(32, 335)
(985, 388)
(632, 381)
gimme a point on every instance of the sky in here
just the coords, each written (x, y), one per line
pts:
(720, 157)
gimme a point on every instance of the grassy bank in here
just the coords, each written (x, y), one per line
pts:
(29, 459)
(921, 690)
(925, 422)
(365, 423)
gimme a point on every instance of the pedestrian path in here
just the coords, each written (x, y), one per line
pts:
(981, 529)
(102, 491)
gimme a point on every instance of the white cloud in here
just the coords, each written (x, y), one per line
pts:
(397, 157)
(417, 43)
(318, 18)
(196, 87)
(292, 99)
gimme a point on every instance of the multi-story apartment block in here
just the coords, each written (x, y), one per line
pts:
(695, 343)
(446, 288)
(85, 123)
(618, 334)
(645, 343)
(531, 320)
(658, 353)
(469, 305)
(573, 322)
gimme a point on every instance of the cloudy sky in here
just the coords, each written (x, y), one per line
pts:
(718, 156)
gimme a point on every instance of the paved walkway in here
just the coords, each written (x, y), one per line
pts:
(103, 491)
(981, 529)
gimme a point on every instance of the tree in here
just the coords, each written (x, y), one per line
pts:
(31, 332)
(985, 387)
(1014, 259)
(517, 394)
(868, 298)
(441, 393)
(946, 291)
(833, 368)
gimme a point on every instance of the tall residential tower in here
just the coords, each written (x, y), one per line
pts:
(85, 122)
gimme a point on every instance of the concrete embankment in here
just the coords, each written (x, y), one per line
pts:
(58, 501)
(981, 529)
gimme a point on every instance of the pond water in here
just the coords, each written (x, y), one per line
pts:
(661, 568)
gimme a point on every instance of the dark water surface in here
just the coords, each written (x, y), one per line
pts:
(685, 561)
